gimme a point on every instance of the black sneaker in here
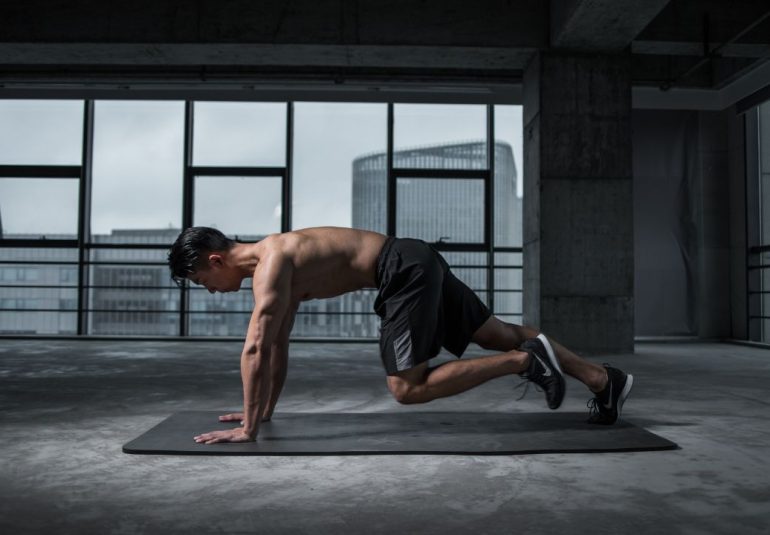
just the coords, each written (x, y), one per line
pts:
(606, 406)
(544, 369)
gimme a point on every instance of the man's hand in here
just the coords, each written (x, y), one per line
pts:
(230, 435)
(232, 417)
(238, 417)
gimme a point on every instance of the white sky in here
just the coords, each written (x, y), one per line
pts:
(138, 159)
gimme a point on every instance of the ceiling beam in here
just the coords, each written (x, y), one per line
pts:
(606, 25)
(264, 55)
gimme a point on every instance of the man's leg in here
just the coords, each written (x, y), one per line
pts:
(610, 385)
(498, 335)
(422, 384)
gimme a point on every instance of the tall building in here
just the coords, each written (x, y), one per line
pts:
(451, 210)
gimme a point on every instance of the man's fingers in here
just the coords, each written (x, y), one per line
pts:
(231, 417)
(213, 438)
(205, 437)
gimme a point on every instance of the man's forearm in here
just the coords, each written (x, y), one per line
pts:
(255, 374)
(278, 368)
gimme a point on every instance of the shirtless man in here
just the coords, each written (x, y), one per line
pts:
(423, 307)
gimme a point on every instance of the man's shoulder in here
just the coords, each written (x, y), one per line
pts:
(319, 242)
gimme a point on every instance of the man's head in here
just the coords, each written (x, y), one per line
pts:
(199, 254)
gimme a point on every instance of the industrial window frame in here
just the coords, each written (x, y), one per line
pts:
(84, 244)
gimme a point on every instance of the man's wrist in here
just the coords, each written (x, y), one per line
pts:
(251, 431)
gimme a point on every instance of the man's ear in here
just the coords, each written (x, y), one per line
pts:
(216, 260)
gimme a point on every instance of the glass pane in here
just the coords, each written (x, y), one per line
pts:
(59, 322)
(41, 132)
(134, 323)
(34, 286)
(56, 299)
(38, 254)
(446, 210)
(464, 258)
(508, 278)
(508, 303)
(56, 275)
(509, 185)
(246, 207)
(39, 207)
(440, 136)
(340, 166)
(764, 191)
(129, 295)
(508, 283)
(137, 170)
(349, 316)
(220, 314)
(370, 192)
(246, 134)
(509, 259)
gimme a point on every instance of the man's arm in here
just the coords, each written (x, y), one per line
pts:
(279, 357)
(272, 291)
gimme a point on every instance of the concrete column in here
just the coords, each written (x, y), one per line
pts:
(578, 200)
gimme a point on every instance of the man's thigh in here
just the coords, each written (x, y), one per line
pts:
(464, 314)
(411, 377)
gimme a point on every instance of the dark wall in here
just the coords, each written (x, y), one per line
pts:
(687, 213)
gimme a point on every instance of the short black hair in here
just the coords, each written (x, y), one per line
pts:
(187, 256)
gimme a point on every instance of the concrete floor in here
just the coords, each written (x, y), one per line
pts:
(69, 406)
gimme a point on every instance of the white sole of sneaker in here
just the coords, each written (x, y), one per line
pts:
(551, 353)
(626, 391)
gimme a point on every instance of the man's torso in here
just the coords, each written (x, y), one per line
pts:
(327, 261)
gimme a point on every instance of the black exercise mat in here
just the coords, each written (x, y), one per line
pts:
(476, 433)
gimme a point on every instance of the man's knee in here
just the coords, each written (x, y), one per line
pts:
(406, 388)
(402, 391)
(402, 394)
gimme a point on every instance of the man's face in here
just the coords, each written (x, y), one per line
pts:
(217, 278)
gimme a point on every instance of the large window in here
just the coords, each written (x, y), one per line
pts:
(92, 194)
(41, 148)
(137, 170)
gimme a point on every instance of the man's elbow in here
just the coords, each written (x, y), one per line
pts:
(256, 350)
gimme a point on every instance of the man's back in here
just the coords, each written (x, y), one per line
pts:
(327, 261)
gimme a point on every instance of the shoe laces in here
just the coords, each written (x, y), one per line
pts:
(525, 383)
(593, 407)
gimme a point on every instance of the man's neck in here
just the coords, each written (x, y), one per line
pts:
(245, 257)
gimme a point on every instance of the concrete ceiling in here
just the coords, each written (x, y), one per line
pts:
(703, 44)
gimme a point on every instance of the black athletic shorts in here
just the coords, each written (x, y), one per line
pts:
(423, 306)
